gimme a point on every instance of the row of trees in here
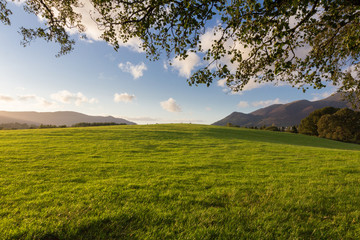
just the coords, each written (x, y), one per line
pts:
(291, 129)
(329, 122)
(333, 123)
(16, 125)
(86, 124)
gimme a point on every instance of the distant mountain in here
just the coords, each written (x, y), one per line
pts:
(282, 114)
(55, 118)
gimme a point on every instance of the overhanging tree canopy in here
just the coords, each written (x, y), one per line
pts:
(301, 42)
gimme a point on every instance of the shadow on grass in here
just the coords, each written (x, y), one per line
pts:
(278, 138)
(107, 228)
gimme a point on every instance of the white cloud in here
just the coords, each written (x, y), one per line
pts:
(319, 96)
(186, 66)
(266, 103)
(135, 70)
(68, 97)
(5, 98)
(243, 104)
(222, 82)
(170, 105)
(123, 97)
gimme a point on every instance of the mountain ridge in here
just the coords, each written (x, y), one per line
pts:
(282, 115)
(56, 118)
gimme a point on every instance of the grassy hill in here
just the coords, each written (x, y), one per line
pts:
(176, 182)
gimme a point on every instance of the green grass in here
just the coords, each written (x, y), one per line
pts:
(176, 182)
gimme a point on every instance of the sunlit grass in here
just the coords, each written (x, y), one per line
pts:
(176, 182)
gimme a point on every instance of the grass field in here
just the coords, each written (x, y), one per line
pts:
(176, 182)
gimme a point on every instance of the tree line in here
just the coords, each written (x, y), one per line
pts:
(341, 124)
(291, 129)
(333, 123)
(16, 125)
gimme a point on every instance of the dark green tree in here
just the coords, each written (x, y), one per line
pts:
(310, 42)
(272, 128)
(309, 126)
(344, 125)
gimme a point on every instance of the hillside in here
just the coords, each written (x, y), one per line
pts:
(282, 114)
(176, 181)
(55, 118)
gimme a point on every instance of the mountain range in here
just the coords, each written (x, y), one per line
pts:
(56, 118)
(282, 115)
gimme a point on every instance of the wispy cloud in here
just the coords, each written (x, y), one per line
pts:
(25, 100)
(27, 97)
(123, 97)
(170, 105)
(38, 100)
(243, 104)
(266, 103)
(319, 96)
(5, 98)
(67, 97)
(142, 119)
(46, 103)
(135, 70)
(252, 84)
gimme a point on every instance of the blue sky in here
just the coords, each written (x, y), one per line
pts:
(96, 80)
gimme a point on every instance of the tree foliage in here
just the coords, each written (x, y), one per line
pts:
(344, 125)
(308, 42)
(309, 126)
(272, 128)
(333, 123)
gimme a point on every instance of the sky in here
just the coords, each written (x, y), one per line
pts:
(95, 79)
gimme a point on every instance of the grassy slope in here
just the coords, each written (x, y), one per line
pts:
(176, 181)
